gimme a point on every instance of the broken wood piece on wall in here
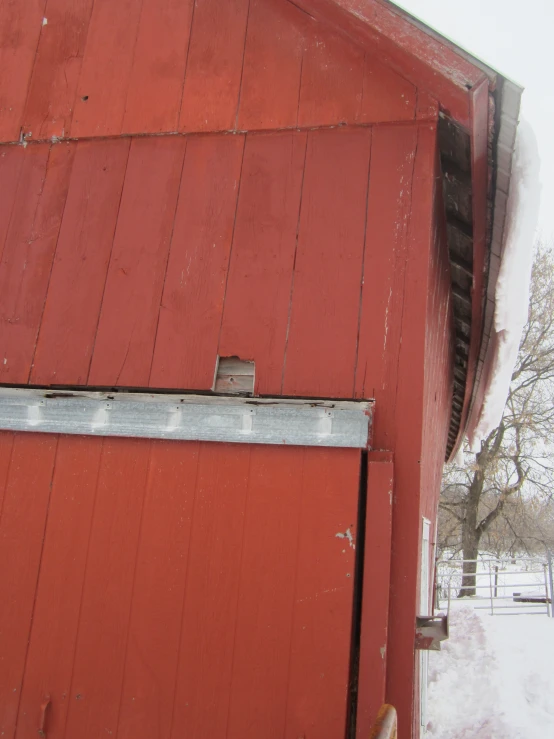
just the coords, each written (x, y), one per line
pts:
(234, 376)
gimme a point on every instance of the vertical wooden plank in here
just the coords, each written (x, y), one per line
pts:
(214, 563)
(320, 651)
(332, 80)
(388, 215)
(106, 68)
(272, 65)
(158, 72)
(190, 315)
(51, 97)
(28, 254)
(322, 344)
(256, 311)
(127, 328)
(156, 610)
(106, 600)
(11, 165)
(375, 592)
(21, 535)
(68, 327)
(214, 66)
(58, 600)
(259, 687)
(408, 444)
(386, 95)
(20, 26)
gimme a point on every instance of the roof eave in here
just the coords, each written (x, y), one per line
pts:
(503, 156)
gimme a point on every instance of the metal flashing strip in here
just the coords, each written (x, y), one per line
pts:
(325, 423)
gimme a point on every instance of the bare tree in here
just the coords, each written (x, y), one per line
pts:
(489, 494)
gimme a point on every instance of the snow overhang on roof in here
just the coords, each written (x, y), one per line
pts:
(479, 111)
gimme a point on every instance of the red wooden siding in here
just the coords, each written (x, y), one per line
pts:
(292, 219)
(382, 304)
(28, 253)
(258, 295)
(194, 289)
(326, 293)
(117, 640)
(124, 347)
(21, 536)
(214, 66)
(426, 340)
(99, 69)
(148, 260)
(375, 592)
(439, 363)
(63, 355)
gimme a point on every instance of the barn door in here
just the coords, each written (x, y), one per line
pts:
(159, 588)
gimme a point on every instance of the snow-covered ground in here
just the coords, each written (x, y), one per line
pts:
(494, 677)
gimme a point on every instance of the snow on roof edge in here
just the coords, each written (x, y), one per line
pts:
(516, 210)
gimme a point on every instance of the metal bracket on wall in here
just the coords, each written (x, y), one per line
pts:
(430, 631)
(325, 423)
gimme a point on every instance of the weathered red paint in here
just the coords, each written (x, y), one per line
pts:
(144, 592)
(293, 218)
(375, 594)
(191, 307)
(97, 70)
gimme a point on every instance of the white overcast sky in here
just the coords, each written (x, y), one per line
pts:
(515, 38)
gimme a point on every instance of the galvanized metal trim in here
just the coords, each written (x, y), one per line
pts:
(322, 423)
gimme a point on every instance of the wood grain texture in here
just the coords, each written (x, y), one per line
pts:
(99, 106)
(272, 65)
(156, 79)
(158, 594)
(129, 317)
(328, 273)
(257, 300)
(58, 597)
(319, 667)
(214, 66)
(386, 96)
(24, 514)
(56, 69)
(202, 694)
(190, 316)
(103, 628)
(388, 217)
(375, 591)
(28, 254)
(68, 328)
(332, 80)
(20, 27)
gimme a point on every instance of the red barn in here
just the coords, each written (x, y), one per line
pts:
(248, 251)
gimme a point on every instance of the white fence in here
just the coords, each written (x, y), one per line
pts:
(503, 586)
